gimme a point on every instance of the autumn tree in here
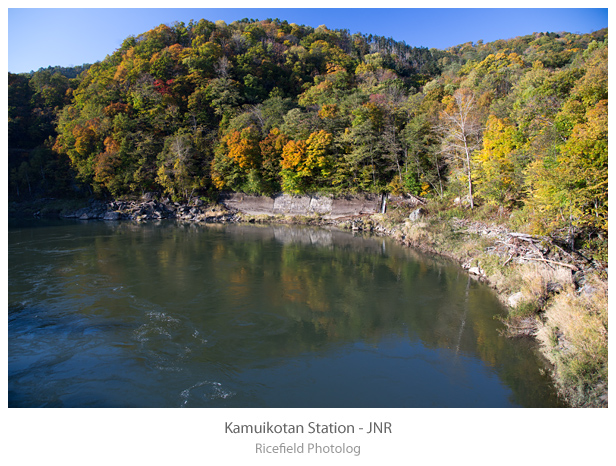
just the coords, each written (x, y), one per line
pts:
(307, 165)
(178, 171)
(568, 180)
(497, 176)
(271, 160)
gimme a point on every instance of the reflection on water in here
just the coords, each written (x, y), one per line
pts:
(121, 314)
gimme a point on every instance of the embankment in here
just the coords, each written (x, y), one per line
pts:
(328, 207)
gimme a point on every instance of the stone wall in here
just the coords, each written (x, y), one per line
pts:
(285, 204)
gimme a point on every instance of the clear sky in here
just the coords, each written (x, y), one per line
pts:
(40, 37)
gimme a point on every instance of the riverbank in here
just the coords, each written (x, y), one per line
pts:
(554, 295)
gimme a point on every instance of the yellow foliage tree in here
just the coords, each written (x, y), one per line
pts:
(307, 164)
(494, 164)
(244, 147)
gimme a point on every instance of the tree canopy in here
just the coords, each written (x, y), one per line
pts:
(268, 106)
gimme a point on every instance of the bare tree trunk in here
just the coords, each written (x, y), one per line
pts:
(468, 171)
(438, 172)
(461, 133)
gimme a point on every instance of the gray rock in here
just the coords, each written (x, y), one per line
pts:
(417, 214)
(515, 299)
(112, 216)
(476, 271)
(554, 287)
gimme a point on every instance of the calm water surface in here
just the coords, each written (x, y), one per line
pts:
(169, 315)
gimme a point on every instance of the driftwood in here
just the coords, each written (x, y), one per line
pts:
(524, 237)
(417, 199)
(572, 267)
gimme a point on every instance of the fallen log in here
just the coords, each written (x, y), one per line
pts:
(524, 236)
(572, 267)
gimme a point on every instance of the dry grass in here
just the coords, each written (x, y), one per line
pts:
(575, 333)
(416, 233)
(539, 281)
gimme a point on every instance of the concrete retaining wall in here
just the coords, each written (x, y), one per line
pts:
(327, 206)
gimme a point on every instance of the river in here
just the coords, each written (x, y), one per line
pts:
(119, 314)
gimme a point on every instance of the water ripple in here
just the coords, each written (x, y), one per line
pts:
(205, 390)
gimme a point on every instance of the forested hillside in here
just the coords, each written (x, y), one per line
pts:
(268, 106)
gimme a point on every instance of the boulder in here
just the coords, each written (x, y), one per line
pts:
(417, 214)
(112, 216)
(515, 299)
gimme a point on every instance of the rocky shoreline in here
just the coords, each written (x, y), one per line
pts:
(152, 209)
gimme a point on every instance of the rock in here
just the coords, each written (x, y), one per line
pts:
(579, 279)
(588, 290)
(417, 214)
(461, 202)
(554, 287)
(88, 213)
(112, 216)
(515, 299)
(476, 271)
(149, 196)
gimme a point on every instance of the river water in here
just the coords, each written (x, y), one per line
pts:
(106, 314)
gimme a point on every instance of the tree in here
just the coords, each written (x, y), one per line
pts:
(460, 130)
(178, 171)
(307, 164)
(271, 156)
(496, 177)
(585, 159)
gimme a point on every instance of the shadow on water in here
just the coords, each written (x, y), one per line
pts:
(122, 314)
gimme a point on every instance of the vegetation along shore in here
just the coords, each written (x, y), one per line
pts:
(494, 154)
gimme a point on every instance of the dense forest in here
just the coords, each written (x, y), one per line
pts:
(267, 106)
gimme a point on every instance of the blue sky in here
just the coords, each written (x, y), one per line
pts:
(67, 37)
